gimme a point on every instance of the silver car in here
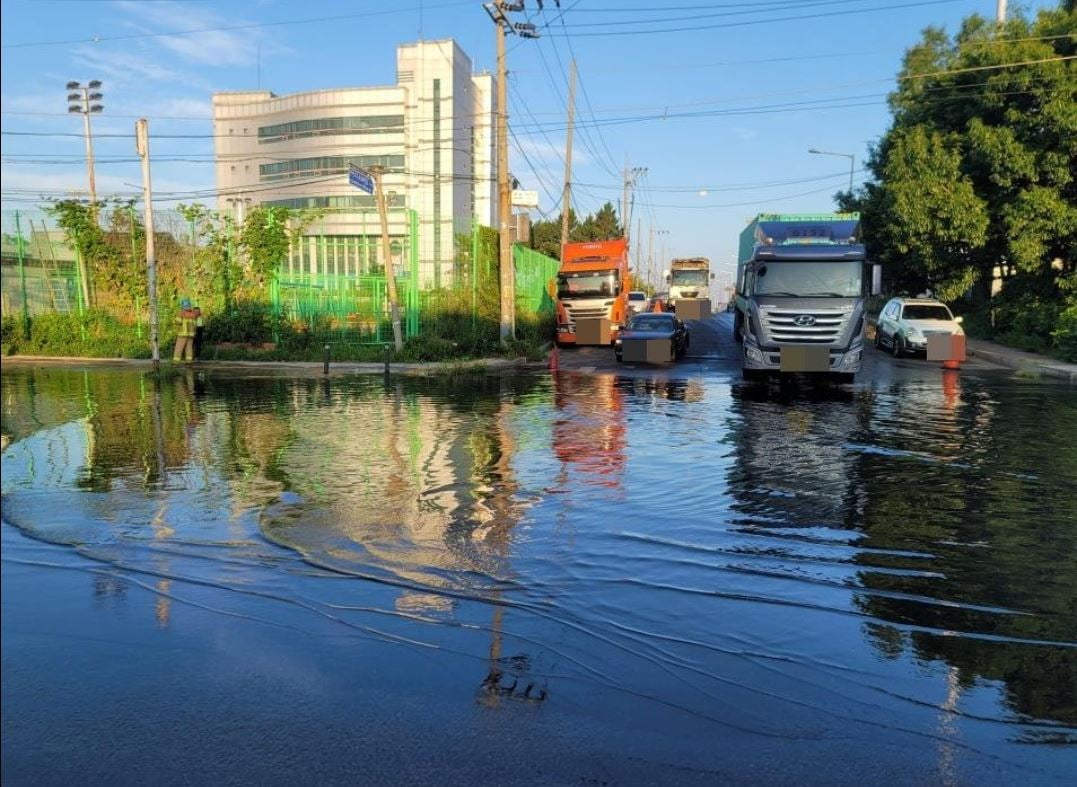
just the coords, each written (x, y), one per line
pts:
(905, 323)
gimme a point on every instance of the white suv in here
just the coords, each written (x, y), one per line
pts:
(905, 323)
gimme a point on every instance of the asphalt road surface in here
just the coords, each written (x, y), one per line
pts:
(713, 351)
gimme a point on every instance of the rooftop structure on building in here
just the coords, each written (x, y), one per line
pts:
(432, 132)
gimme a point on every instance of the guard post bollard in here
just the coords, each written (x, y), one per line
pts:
(325, 359)
(387, 348)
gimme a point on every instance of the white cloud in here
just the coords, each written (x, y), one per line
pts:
(213, 47)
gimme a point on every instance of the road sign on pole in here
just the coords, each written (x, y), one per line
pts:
(361, 179)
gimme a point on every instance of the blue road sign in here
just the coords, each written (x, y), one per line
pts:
(361, 179)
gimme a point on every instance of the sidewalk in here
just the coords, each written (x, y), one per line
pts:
(1022, 361)
(302, 368)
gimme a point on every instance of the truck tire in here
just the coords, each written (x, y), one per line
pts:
(754, 375)
(897, 347)
(738, 325)
(843, 378)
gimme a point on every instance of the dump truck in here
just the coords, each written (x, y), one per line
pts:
(802, 283)
(592, 283)
(688, 278)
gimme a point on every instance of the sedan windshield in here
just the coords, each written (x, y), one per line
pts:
(651, 322)
(588, 284)
(823, 279)
(926, 313)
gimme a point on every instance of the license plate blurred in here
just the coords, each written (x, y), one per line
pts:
(805, 359)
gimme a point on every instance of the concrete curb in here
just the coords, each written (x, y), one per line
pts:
(309, 367)
(1057, 371)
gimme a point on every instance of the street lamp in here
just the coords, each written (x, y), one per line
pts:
(850, 156)
(85, 100)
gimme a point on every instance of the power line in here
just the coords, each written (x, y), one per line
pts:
(696, 28)
(225, 28)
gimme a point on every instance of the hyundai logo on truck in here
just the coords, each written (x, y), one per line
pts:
(804, 320)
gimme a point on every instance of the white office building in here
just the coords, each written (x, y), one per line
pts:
(432, 131)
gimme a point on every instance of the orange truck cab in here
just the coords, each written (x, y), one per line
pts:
(593, 282)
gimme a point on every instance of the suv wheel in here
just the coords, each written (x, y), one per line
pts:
(897, 348)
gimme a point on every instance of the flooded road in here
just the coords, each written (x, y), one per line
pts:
(648, 577)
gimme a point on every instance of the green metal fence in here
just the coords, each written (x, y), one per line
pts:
(332, 284)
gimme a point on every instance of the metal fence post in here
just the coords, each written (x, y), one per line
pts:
(22, 278)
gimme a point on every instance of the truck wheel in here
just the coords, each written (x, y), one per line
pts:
(843, 378)
(738, 324)
(754, 375)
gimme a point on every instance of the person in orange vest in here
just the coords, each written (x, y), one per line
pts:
(185, 327)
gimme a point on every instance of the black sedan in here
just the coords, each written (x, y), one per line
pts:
(655, 325)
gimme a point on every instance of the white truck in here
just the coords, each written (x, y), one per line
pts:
(689, 278)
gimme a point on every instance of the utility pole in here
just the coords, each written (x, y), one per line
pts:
(499, 11)
(386, 251)
(650, 253)
(1000, 11)
(566, 196)
(142, 144)
(630, 176)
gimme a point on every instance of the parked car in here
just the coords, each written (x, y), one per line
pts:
(655, 325)
(905, 323)
(638, 302)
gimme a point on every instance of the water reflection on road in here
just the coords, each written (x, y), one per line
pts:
(681, 560)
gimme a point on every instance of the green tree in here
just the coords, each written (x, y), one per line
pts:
(977, 171)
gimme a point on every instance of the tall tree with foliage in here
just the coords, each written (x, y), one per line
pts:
(978, 171)
(601, 225)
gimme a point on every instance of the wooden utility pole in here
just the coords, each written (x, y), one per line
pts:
(499, 11)
(566, 195)
(650, 254)
(142, 144)
(387, 255)
(504, 196)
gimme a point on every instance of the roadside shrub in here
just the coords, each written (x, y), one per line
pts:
(94, 334)
(246, 322)
(1065, 335)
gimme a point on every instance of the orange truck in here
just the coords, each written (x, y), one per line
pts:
(593, 282)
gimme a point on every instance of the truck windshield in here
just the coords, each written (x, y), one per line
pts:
(690, 278)
(821, 279)
(587, 284)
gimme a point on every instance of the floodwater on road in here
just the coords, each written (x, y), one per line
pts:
(578, 578)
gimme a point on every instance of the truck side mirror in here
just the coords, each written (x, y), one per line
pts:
(876, 279)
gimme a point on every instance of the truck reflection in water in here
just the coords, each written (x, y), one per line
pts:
(963, 545)
(589, 433)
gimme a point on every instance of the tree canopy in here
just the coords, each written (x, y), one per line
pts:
(977, 175)
(601, 225)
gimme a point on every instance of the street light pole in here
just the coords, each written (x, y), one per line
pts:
(80, 99)
(142, 145)
(850, 156)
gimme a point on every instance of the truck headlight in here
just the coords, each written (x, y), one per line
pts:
(851, 359)
(753, 354)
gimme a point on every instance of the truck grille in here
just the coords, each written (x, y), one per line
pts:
(826, 326)
(582, 313)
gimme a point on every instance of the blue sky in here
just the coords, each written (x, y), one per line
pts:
(695, 106)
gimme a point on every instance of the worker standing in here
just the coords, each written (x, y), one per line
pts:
(185, 328)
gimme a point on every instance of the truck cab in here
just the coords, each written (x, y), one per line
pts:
(689, 278)
(593, 283)
(802, 284)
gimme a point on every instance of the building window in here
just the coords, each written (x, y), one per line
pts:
(298, 129)
(326, 165)
(359, 201)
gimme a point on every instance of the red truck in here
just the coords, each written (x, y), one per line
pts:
(593, 282)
